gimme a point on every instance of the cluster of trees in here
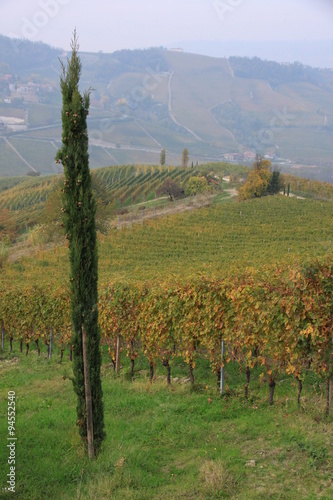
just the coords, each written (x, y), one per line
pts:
(273, 72)
(195, 185)
(22, 55)
(261, 181)
(140, 59)
(243, 124)
(184, 160)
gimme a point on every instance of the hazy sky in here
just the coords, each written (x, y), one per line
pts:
(111, 25)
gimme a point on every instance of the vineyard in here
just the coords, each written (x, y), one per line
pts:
(257, 275)
(121, 186)
(273, 229)
(176, 287)
(32, 201)
(280, 318)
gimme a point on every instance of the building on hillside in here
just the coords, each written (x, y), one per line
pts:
(249, 156)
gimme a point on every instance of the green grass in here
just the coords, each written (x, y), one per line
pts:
(177, 442)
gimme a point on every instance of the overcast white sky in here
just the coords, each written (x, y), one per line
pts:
(111, 25)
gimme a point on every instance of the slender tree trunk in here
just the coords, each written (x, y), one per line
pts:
(191, 374)
(11, 343)
(218, 373)
(329, 397)
(151, 366)
(132, 368)
(71, 353)
(61, 355)
(114, 364)
(167, 366)
(271, 384)
(27, 346)
(87, 389)
(37, 345)
(300, 387)
(21, 345)
(246, 387)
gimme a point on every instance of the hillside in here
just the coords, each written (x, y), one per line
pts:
(145, 100)
(37, 200)
(273, 229)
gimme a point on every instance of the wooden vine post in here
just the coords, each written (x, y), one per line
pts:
(330, 392)
(118, 354)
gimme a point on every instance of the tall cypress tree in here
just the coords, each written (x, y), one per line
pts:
(79, 208)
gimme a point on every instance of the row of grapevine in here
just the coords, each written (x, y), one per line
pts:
(309, 187)
(280, 319)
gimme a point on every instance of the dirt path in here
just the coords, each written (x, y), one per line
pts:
(172, 115)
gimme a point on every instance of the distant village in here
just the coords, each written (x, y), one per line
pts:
(12, 90)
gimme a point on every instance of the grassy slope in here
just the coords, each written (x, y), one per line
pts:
(165, 443)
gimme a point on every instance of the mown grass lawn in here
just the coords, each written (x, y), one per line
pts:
(165, 442)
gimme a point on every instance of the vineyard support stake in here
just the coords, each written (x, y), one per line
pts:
(222, 370)
(50, 351)
(330, 393)
(117, 354)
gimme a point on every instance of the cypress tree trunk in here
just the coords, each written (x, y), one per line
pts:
(79, 208)
(87, 390)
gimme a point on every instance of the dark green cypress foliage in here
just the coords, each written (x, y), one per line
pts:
(79, 209)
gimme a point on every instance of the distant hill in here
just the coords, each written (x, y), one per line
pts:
(146, 100)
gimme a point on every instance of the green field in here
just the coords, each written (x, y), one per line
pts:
(177, 442)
